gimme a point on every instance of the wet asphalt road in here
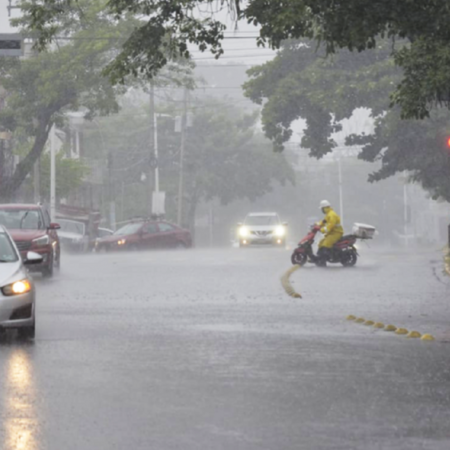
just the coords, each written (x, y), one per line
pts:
(202, 349)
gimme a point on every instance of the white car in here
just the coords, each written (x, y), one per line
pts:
(263, 228)
(17, 293)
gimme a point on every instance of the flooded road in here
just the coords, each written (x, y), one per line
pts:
(203, 349)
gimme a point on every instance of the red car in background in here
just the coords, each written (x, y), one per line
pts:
(31, 229)
(145, 234)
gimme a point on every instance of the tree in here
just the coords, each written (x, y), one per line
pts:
(70, 174)
(43, 88)
(167, 27)
(299, 83)
(225, 158)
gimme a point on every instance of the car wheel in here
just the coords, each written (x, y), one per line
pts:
(180, 245)
(57, 263)
(133, 248)
(27, 332)
(47, 272)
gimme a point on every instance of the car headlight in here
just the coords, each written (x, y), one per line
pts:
(44, 240)
(280, 231)
(243, 232)
(122, 242)
(17, 288)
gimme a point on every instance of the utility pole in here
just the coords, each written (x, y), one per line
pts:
(53, 173)
(182, 147)
(112, 203)
(149, 187)
(37, 180)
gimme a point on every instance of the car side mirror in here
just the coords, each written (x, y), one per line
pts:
(54, 226)
(239, 224)
(285, 224)
(33, 258)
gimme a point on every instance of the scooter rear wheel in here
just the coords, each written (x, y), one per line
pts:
(299, 259)
(349, 259)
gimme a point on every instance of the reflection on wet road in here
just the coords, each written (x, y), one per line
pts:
(20, 419)
(203, 350)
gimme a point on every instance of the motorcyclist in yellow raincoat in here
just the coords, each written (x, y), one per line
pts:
(332, 229)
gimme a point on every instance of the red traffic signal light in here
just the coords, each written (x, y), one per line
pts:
(448, 142)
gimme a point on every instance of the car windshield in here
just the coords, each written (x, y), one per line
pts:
(262, 220)
(71, 226)
(128, 229)
(7, 251)
(25, 219)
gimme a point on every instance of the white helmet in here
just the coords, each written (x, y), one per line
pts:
(325, 204)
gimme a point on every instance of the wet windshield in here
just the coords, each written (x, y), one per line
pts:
(128, 229)
(7, 251)
(25, 219)
(262, 220)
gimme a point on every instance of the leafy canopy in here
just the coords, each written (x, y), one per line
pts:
(300, 84)
(167, 26)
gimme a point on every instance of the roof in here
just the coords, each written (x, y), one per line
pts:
(263, 214)
(19, 206)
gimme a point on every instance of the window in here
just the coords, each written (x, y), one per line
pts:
(7, 252)
(262, 220)
(22, 219)
(127, 230)
(164, 227)
(151, 228)
(71, 226)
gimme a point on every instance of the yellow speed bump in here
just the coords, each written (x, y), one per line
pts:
(427, 337)
(350, 317)
(401, 331)
(369, 323)
(287, 284)
(378, 325)
(390, 328)
(414, 334)
(360, 320)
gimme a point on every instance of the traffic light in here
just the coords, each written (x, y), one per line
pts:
(11, 45)
(448, 142)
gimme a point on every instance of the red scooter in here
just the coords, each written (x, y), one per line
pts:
(343, 252)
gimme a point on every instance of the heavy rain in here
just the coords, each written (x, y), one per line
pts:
(224, 224)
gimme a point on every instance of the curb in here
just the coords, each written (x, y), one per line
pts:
(287, 286)
(391, 328)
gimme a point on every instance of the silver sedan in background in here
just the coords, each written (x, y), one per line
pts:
(17, 293)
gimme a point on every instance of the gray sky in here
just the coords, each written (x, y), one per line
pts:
(241, 48)
(4, 19)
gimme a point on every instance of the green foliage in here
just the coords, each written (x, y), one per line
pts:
(299, 83)
(69, 176)
(44, 87)
(225, 158)
(356, 25)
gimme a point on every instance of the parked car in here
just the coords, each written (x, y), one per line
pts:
(17, 292)
(32, 230)
(146, 234)
(74, 237)
(262, 229)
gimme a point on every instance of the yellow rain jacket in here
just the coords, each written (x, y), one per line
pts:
(332, 229)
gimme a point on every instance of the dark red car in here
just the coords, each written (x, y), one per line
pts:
(142, 235)
(31, 229)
